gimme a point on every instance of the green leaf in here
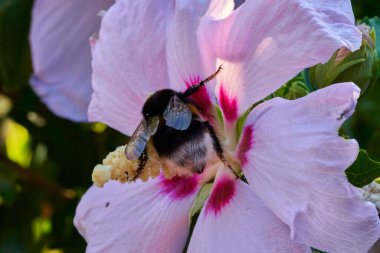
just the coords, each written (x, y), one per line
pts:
(293, 89)
(364, 170)
(196, 209)
(201, 199)
(8, 191)
(240, 123)
(317, 251)
(15, 63)
(375, 23)
(8, 188)
(360, 66)
(220, 115)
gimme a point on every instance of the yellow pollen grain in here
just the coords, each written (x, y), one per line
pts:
(117, 167)
(101, 175)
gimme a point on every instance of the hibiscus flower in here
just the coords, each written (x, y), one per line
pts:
(297, 193)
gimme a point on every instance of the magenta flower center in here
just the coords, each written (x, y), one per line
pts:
(222, 194)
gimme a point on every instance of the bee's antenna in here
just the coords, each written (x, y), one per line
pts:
(195, 87)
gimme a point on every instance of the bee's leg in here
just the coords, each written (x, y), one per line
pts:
(195, 87)
(218, 146)
(142, 162)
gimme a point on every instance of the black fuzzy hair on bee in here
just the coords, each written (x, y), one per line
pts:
(157, 103)
(177, 132)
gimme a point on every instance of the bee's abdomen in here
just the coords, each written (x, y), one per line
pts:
(187, 149)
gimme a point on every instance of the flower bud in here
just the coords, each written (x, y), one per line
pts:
(359, 67)
(293, 89)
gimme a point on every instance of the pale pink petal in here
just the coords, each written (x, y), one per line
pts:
(61, 56)
(264, 43)
(129, 61)
(183, 56)
(242, 224)
(295, 162)
(185, 65)
(137, 217)
(220, 8)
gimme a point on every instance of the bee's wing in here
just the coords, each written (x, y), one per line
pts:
(140, 137)
(152, 125)
(177, 114)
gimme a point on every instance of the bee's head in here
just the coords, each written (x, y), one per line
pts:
(156, 104)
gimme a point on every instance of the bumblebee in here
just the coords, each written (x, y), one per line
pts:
(181, 137)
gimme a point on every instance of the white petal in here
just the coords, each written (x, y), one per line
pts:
(264, 43)
(129, 61)
(183, 55)
(59, 36)
(243, 224)
(136, 217)
(295, 163)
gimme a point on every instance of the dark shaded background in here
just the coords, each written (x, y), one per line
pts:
(46, 162)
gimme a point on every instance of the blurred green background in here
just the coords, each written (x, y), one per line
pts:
(46, 162)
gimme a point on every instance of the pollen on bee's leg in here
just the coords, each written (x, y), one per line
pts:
(168, 173)
(101, 175)
(117, 167)
(122, 169)
(153, 165)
